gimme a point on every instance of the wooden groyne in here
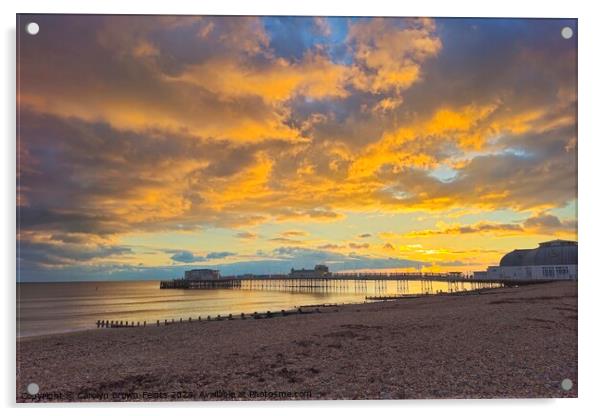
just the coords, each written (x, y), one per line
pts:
(394, 297)
(119, 324)
(242, 316)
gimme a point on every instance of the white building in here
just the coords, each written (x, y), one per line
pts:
(552, 260)
(201, 274)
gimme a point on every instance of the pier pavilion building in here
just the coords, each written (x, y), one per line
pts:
(201, 274)
(319, 271)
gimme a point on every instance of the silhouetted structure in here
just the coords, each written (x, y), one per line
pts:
(319, 271)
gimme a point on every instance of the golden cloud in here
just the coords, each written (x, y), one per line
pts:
(389, 57)
(314, 77)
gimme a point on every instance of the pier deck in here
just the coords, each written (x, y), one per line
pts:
(336, 279)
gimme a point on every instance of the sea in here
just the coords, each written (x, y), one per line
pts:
(49, 308)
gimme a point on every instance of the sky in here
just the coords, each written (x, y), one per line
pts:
(149, 145)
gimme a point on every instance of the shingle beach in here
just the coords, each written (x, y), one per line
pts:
(502, 343)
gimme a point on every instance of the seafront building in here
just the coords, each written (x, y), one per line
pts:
(552, 260)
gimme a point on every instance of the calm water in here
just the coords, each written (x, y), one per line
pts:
(45, 308)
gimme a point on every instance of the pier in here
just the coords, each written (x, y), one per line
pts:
(356, 282)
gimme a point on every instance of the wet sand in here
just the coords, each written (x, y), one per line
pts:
(502, 343)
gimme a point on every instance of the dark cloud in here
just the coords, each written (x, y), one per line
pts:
(305, 257)
(294, 233)
(318, 213)
(523, 62)
(49, 254)
(226, 160)
(359, 245)
(456, 263)
(219, 255)
(539, 224)
(246, 235)
(285, 240)
(67, 221)
(332, 246)
(548, 223)
(472, 229)
(185, 256)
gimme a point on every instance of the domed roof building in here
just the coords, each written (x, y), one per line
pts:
(550, 252)
(552, 260)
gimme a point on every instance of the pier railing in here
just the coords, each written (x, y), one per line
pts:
(362, 276)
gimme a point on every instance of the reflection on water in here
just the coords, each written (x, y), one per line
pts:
(44, 308)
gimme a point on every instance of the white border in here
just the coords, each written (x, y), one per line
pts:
(590, 93)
